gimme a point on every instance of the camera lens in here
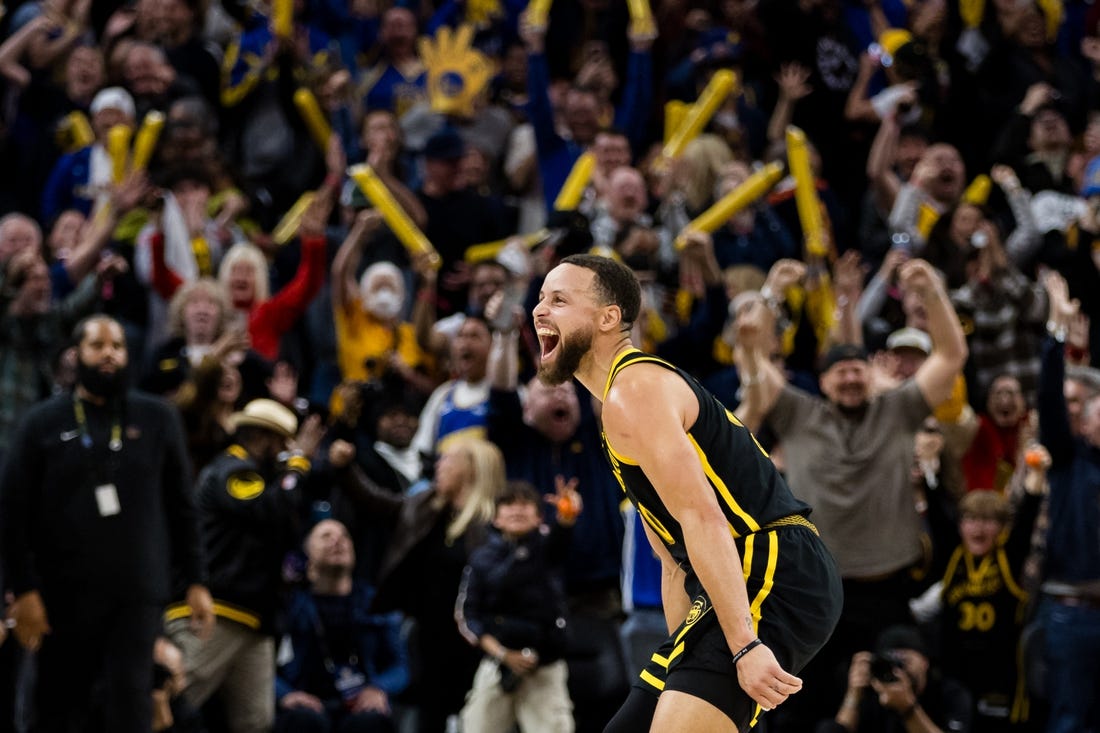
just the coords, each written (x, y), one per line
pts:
(885, 667)
(979, 240)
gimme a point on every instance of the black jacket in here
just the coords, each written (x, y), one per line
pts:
(513, 590)
(55, 537)
(249, 522)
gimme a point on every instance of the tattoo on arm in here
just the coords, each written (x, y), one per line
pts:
(748, 623)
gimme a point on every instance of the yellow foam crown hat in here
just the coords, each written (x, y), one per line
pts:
(457, 72)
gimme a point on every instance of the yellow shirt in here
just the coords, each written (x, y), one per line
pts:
(361, 337)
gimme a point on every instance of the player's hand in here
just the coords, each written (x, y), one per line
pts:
(761, 677)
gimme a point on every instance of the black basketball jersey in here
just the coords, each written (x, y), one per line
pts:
(984, 611)
(745, 482)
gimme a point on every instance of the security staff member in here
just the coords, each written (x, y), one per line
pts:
(248, 500)
(96, 506)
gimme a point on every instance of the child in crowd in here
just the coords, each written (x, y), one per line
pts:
(512, 605)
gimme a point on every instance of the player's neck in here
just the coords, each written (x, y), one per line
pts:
(597, 364)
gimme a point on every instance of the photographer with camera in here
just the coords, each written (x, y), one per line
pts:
(896, 689)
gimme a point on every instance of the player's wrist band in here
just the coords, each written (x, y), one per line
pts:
(748, 648)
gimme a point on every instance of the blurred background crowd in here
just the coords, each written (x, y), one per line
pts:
(317, 229)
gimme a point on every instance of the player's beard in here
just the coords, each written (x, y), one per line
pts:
(571, 351)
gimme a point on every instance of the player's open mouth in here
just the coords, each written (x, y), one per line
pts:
(548, 340)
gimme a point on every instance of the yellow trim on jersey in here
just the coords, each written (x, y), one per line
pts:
(974, 575)
(769, 579)
(656, 525)
(719, 484)
(651, 680)
(665, 661)
(618, 456)
(746, 558)
(755, 716)
(1020, 701)
(616, 365)
(952, 566)
(1006, 573)
(733, 419)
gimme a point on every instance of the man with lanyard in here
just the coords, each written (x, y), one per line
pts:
(96, 507)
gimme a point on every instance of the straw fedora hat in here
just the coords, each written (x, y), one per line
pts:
(266, 414)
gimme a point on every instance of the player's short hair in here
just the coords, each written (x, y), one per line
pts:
(615, 284)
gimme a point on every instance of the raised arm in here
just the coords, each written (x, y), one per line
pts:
(278, 315)
(848, 286)
(12, 50)
(45, 48)
(1025, 240)
(761, 381)
(858, 107)
(346, 263)
(936, 376)
(885, 183)
(1054, 427)
(793, 80)
(650, 396)
(97, 234)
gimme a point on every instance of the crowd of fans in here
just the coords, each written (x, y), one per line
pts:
(399, 527)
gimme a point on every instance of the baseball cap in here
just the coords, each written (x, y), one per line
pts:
(909, 338)
(901, 637)
(446, 144)
(842, 352)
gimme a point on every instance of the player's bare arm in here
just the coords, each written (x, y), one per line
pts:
(647, 414)
(674, 598)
